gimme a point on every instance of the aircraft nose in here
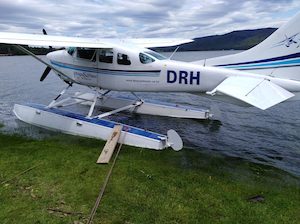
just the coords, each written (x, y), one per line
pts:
(50, 55)
(56, 55)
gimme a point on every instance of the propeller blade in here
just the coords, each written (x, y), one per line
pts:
(44, 32)
(46, 72)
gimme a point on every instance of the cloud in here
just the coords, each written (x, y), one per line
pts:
(147, 18)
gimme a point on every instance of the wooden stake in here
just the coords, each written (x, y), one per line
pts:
(110, 145)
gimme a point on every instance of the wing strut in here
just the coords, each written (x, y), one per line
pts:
(39, 59)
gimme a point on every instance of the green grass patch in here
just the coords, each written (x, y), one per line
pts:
(146, 186)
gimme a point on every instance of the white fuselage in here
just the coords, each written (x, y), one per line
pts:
(157, 76)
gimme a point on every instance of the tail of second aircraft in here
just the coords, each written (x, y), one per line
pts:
(278, 55)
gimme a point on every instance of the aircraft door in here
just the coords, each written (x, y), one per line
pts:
(86, 66)
(105, 64)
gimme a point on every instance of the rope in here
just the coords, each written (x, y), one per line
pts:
(101, 193)
(19, 174)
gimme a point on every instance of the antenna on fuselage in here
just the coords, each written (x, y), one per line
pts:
(174, 52)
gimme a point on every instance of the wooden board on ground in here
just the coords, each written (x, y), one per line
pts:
(110, 145)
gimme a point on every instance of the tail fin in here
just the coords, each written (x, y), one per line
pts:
(278, 55)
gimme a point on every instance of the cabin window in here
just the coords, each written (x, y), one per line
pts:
(155, 55)
(71, 50)
(86, 53)
(145, 59)
(123, 59)
(106, 56)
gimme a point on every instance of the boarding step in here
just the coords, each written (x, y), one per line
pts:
(110, 145)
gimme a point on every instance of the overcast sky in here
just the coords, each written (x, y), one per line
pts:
(148, 18)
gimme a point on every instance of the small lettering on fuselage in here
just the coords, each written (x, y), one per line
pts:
(183, 77)
(85, 76)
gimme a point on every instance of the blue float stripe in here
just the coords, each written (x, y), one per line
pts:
(100, 122)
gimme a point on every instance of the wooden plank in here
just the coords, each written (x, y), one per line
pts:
(110, 145)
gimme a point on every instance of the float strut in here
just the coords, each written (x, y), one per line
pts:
(53, 103)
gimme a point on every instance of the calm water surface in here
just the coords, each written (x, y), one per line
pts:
(270, 137)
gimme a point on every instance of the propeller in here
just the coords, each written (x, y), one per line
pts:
(48, 69)
(45, 73)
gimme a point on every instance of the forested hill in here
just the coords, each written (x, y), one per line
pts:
(237, 40)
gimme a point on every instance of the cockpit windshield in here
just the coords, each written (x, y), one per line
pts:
(71, 50)
(156, 55)
(145, 59)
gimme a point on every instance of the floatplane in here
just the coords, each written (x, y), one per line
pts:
(262, 77)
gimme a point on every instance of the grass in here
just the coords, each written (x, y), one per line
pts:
(146, 186)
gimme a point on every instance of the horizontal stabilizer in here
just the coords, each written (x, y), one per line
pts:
(260, 93)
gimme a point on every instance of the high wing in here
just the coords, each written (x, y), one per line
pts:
(63, 41)
(159, 42)
(257, 92)
(48, 40)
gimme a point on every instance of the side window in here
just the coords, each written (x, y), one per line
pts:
(145, 59)
(106, 56)
(123, 59)
(85, 53)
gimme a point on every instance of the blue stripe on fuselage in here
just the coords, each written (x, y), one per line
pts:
(149, 73)
(290, 56)
(277, 62)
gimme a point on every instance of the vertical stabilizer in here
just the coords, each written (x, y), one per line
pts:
(278, 55)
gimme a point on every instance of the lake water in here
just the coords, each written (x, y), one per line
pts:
(270, 137)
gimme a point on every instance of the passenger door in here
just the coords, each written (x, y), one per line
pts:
(86, 66)
(105, 65)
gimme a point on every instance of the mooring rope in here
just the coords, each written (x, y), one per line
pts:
(101, 193)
